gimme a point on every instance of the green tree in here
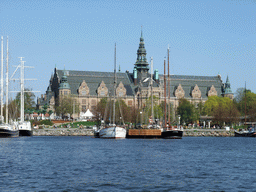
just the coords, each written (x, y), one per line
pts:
(210, 105)
(29, 99)
(65, 106)
(187, 111)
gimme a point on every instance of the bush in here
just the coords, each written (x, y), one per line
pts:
(42, 122)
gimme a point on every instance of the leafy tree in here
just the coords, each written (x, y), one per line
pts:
(187, 111)
(65, 106)
(29, 99)
(247, 104)
(210, 105)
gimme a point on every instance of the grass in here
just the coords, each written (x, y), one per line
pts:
(78, 124)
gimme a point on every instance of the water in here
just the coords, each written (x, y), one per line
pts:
(90, 164)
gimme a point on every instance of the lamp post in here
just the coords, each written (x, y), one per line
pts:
(179, 120)
(141, 117)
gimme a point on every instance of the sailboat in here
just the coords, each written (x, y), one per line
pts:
(6, 130)
(113, 131)
(25, 128)
(153, 131)
(250, 132)
(168, 131)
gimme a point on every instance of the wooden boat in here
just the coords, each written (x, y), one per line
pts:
(144, 133)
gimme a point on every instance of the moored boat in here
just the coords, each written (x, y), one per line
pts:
(7, 130)
(246, 133)
(25, 128)
(113, 132)
(172, 133)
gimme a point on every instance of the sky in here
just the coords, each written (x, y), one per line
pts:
(206, 37)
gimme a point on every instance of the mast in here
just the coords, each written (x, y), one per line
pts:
(151, 84)
(245, 105)
(21, 89)
(7, 83)
(164, 97)
(168, 88)
(2, 79)
(114, 111)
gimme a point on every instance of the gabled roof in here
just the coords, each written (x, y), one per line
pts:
(93, 80)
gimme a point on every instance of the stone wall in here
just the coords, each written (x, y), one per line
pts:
(63, 132)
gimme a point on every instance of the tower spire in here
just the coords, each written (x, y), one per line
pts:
(141, 62)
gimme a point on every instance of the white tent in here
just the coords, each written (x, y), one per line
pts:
(87, 115)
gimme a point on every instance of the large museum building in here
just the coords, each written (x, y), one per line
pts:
(87, 88)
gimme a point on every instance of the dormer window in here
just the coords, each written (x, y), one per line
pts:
(83, 92)
(102, 93)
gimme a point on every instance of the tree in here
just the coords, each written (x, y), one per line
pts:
(210, 105)
(223, 110)
(65, 106)
(29, 99)
(246, 104)
(187, 111)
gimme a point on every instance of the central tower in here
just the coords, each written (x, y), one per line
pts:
(141, 66)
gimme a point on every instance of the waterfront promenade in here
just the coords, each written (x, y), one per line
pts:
(89, 132)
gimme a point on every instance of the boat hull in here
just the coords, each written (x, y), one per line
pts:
(8, 133)
(172, 134)
(25, 128)
(113, 133)
(144, 133)
(245, 134)
(25, 133)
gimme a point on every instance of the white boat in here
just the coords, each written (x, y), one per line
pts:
(112, 131)
(6, 129)
(25, 128)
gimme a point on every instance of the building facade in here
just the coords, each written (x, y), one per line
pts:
(87, 88)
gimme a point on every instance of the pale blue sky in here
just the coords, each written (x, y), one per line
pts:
(205, 37)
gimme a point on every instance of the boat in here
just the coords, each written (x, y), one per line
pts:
(250, 132)
(153, 130)
(25, 128)
(112, 131)
(170, 132)
(6, 129)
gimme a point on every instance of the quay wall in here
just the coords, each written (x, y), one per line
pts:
(90, 132)
(208, 133)
(63, 132)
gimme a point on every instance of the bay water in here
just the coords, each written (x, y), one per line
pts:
(93, 164)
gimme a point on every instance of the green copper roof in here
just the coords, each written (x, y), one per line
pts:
(227, 89)
(141, 62)
(64, 82)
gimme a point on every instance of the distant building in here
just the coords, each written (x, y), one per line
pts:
(87, 88)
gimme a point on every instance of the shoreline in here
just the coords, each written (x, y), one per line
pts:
(90, 132)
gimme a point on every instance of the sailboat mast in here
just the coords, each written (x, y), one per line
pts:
(151, 84)
(114, 111)
(245, 105)
(21, 89)
(2, 78)
(168, 89)
(7, 83)
(164, 97)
